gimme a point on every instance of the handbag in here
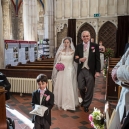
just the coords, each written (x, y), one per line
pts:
(59, 66)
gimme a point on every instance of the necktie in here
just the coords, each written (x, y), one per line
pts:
(85, 46)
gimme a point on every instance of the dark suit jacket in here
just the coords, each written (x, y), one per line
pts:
(93, 60)
(126, 47)
(5, 83)
(49, 104)
(126, 122)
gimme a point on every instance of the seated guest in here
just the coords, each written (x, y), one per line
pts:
(5, 83)
(120, 75)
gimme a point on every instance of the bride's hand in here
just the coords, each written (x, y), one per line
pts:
(76, 57)
(82, 59)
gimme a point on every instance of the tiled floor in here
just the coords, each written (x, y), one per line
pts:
(60, 119)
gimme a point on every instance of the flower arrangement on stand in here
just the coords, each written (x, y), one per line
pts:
(97, 119)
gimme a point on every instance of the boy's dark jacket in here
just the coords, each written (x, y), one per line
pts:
(49, 103)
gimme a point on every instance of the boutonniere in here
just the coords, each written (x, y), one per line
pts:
(46, 97)
(93, 49)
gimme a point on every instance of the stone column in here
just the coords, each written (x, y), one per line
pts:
(1, 39)
(30, 19)
(49, 24)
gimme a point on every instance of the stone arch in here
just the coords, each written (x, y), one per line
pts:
(62, 34)
(107, 34)
(85, 26)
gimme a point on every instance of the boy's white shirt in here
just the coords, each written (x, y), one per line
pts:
(41, 97)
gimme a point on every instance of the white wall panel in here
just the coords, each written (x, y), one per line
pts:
(102, 7)
(84, 8)
(120, 7)
(75, 8)
(128, 6)
(93, 7)
(67, 8)
(111, 7)
(59, 9)
(79, 9)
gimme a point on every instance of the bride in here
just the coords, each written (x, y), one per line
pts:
(65, 82)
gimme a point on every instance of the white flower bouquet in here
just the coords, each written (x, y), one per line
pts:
(97, 119)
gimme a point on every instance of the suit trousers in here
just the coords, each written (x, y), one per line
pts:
(41, 123)
(86, 85)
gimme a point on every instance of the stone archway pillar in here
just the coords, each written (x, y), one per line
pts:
(30, 19)
(49, 24)
(1, 39)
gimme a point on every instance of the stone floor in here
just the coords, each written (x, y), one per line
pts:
(21, 106)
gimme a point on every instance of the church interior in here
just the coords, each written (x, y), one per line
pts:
(31, 32)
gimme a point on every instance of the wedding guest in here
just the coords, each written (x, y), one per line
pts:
(44, 97)
(88, 58)
(120, 75)
(64, 81)
(92, 40)
(101, 50)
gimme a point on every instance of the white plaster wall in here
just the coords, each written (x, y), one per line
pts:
(83, 11)
(65, 9)
(102, 7)
(75, 9)
(128, 7)
(93, 8)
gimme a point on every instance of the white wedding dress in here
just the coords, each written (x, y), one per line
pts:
(65, 88)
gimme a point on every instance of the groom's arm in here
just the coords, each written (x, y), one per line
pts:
(76, 54)
(97, 68)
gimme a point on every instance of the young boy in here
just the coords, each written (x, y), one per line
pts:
(44, 97)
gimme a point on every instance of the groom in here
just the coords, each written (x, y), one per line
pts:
(88, 58)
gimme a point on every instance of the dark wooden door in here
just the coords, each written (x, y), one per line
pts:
(107, 34)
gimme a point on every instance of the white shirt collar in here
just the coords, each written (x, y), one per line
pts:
(44, 89)
(87, 43)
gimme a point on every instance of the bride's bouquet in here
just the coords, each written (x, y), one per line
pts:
(97, 119)
(59, 67)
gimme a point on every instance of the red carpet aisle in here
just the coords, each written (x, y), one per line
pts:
(60, 119)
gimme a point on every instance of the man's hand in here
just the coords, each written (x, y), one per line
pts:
(97, 74)
(76, 57)
(114, 74)
(82, 59)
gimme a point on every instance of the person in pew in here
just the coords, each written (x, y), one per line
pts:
(64, 80)
(44, 97)
(5, 84)
(88, 58)
(101, 50)
(120, 75)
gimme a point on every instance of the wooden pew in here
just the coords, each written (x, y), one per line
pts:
(38, 62)
(25, 73)
(3, 123)
(111, 87)
(45, 60)
(33, 64)
(30, 67)
(112, 62)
